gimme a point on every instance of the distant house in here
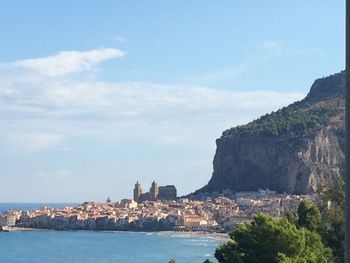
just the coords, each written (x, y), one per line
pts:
(128, 203)
(194, 222)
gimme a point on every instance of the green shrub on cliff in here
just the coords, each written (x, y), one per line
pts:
(287, 121)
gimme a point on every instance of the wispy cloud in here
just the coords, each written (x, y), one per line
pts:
(119, 39)
(35, 142)
(45, 112)
(69, 61)
(220, 74)
(58, 174)
(54, 110)
(259, 57)
(271, 45)
(284, 49)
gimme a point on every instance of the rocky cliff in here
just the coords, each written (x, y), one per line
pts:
(290, 150)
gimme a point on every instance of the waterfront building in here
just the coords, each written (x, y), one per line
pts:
(11, 219)
(193, 222)
(24, 217)
(8, 220)
(3, 220)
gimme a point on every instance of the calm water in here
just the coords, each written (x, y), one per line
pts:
(100, 247)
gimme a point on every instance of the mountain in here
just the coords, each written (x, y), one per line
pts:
(290, 150)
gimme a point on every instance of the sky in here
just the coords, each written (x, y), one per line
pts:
(95, 95)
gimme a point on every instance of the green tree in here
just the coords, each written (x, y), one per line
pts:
(208, 261)
(333, 223)
(271, 240)
(291, 217)
(309, 216)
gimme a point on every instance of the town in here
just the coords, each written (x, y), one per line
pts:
(158, 210)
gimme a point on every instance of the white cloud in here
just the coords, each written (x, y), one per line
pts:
(66, 62)
(119, 39)
(45, 112)
(35, 142)
(286, 49)
(58, 174)
(51, 110)
(271, 45)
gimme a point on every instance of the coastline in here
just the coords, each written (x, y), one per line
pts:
(217, 236)
(17, 229)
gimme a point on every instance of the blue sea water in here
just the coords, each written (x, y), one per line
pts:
(100, 247)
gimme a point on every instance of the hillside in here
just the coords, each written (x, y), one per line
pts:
(290, 150)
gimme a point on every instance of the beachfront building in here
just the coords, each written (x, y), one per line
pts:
(8, 220)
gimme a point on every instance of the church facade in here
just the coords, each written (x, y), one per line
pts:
(155, 193)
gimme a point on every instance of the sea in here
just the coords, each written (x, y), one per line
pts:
(101, 246)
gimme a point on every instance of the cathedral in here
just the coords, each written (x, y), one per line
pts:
(155, 193)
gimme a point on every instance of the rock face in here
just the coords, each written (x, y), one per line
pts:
(291, 150)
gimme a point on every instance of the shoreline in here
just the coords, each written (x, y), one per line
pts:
(217, 236)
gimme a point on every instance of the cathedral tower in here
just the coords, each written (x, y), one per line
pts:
(137, 191)
(154, 191)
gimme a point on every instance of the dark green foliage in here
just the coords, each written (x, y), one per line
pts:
(272, 240)
(308, 216)
(208, 261)
(333, 223)
(291, 217)
(291, 120)
(229, 252)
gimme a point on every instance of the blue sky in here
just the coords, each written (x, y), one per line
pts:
(95, 96)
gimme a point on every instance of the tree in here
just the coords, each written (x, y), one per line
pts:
(309, 216)
(291, 217)
(208, 261)
(271, 240)
(172, 261)
(332, 228)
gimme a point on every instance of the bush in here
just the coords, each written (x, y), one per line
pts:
(272, 240)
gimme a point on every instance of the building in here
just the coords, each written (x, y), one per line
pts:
(127, 203)
(24, 217)
(194, 222)
(8, 220)
(155, 193)
(3, 220)
(137, 191)
(167, 192)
